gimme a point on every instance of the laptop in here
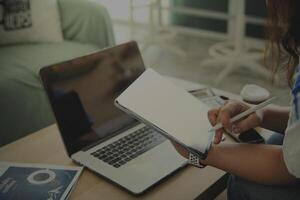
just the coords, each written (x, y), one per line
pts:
(98, 135)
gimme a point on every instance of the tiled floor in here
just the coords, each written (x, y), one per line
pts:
(189, 68)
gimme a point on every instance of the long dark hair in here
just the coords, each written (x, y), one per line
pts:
(284, 35)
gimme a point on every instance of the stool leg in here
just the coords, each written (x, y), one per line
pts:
(230, 67)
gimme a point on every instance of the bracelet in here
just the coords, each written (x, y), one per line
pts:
(195, 160)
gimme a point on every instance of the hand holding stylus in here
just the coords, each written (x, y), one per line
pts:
(236, 117)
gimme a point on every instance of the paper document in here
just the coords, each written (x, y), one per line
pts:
(37, 181)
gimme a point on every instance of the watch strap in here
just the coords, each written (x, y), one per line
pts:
(195, 160)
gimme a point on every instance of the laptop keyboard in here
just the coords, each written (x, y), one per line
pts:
(129, 147)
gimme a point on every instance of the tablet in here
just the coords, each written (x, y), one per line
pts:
(171, 110)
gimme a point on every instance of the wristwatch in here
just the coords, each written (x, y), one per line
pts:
(195, 160)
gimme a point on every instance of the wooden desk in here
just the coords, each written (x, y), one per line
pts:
(45, 146)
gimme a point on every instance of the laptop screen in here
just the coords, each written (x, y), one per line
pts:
(82, 93)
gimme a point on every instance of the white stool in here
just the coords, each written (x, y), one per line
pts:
(157, 35)
(235, 54)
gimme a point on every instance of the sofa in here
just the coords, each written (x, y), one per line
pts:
(24, 107)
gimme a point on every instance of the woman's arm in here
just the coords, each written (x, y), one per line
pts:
(263, 164)
(275, 118)
(260, 163)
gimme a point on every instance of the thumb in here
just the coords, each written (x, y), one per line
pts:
(251, 121)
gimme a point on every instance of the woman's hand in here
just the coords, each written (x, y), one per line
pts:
(225, 113)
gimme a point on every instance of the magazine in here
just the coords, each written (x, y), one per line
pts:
(37, 181)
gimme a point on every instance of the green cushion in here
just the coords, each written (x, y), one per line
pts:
(23, 103)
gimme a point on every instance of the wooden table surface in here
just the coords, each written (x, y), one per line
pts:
(45, 146)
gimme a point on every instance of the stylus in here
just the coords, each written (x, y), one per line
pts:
(245, 113)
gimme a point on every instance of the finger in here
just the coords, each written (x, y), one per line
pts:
(227, 112)
(218, 136)
(224, 118)
(226, 102)
(182, 151)
(244, 125)
(213, 116)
